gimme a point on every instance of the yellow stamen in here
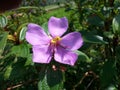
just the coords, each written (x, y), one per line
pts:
(55, 40)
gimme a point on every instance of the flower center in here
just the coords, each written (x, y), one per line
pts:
(55, 40)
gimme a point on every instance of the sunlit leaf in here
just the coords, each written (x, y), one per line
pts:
(93, 38)
(116, 24)
(42, 84)
(15, 69)
(8, 72)
(3, 21)
(22, 33)
(3, 40)
(50, 80)
(21, 50)
(111, 87)
(83, 57)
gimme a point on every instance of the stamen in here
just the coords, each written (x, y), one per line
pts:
(55, 40)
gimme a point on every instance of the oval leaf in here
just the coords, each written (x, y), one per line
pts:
(83, 57)
(93, 38)
(107, 73)
(8, 72)
(116, 24)
(50, 80)
(22, 50)
(22, 33)
(3, 41)
(3, 21)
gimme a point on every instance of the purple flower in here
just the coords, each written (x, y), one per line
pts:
(61, 48)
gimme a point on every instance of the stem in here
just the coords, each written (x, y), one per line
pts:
(22, 84)
(86, 75)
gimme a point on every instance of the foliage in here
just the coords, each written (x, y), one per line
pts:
(97, 67)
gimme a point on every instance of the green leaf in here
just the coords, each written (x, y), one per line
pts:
(3, 21)
(118, 52)
(55, 79)
(15, 69)
(93, 38)
(108, 34)
(22, 33)
(51, 79)
(111, 87)
(21, 50)
(8, 66)
(3, 40)
(42, 84)
(83, 57)
(7, 72)
(95, 20)
(27, 8)
(45, 27)
(107, 73)
(18, 68)
(29, 60)
(116, 24)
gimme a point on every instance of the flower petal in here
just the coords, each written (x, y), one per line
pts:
(72, 41)
(35, 35)
(42, 54)
(57, 26)
(64, 56)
